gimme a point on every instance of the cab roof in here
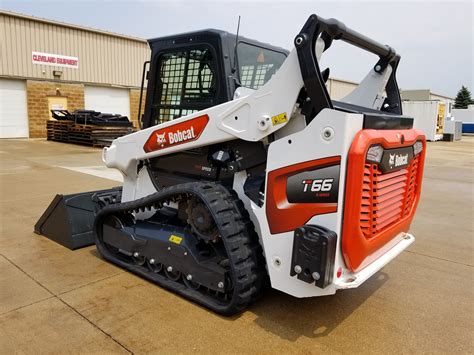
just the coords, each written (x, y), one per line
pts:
(224, 36)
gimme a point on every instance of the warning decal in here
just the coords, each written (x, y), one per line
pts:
(175, 239)
(279, 119)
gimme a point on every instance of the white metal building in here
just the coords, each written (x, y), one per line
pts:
(45, 64)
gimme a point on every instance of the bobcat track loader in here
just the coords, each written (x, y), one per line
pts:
(246, 171)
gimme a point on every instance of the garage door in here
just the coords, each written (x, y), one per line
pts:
(107, 100)
(13, 111)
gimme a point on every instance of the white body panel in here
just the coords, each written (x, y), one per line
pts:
(306, 145)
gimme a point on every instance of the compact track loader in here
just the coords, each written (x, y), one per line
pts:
(246, 171)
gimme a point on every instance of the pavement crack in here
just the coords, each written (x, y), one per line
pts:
(90, 283)
(438, 258)
(27, 305)
(94, 325)
(31, 277)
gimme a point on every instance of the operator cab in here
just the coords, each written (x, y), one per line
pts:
(194, 71)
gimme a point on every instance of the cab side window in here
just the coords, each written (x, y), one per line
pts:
(257, 64)
(186, 83)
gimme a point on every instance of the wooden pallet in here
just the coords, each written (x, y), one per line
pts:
(58, 130)
(84, 134)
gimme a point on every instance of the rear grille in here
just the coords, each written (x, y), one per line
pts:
(386, 197)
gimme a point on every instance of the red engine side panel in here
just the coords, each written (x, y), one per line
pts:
(284, 216)
(378, 205)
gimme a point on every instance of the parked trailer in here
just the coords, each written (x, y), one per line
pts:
(428, 117)
(467, 118)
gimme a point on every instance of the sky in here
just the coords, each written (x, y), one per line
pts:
(434, 38)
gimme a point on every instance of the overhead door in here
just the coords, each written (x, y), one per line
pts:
(107, 100)
(13, 111)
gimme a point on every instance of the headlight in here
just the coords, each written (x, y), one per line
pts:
(417, 147)
(374, 154)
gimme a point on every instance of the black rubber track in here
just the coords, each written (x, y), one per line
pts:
(247, 265)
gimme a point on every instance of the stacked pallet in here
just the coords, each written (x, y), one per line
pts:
(58, 130)
(85, 134)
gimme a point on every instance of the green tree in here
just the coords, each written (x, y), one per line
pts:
(463, 98)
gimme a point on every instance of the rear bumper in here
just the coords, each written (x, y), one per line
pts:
(384, 255)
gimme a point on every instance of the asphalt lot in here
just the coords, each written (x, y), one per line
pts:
(62, 301)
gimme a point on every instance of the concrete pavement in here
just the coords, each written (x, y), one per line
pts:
(60, 301)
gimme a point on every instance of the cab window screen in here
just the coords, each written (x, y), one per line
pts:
(257, 64)
(186, 83)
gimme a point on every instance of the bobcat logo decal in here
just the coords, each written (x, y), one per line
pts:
(175, 134)
(391, 160)
(397, 160)
(161, 139)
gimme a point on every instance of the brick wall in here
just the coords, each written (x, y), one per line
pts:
(37, 96)
(134, 101)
